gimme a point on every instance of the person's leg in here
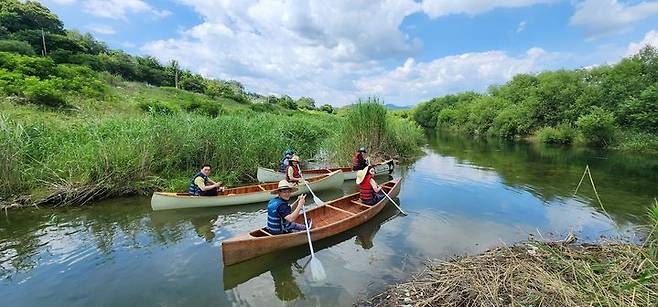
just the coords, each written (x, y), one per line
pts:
(211, 192)
(294, 227)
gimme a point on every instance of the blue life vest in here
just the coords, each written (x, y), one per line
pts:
(283, 165)
(276, 224)
(195, 189)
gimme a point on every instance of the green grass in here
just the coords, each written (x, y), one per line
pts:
(112, 146)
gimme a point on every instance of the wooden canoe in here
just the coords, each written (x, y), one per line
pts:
(241, 195)
(270, 175)
(332, 218)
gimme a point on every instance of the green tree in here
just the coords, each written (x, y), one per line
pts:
(16, 47)
(31, 15)
(306, 103)
(327, 108)
(597, 127)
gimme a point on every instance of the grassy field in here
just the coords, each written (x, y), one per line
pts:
(137, 138)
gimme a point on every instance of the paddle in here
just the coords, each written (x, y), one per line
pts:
(317, 270)
(394, 203)
(316, 199)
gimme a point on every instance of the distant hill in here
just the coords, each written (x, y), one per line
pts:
(391, 106)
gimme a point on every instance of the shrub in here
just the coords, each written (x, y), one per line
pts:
(44, 92)
(155, 106)
(16, 47)
(562, 134)
(205, 108)
(597, 127)
(263, 107)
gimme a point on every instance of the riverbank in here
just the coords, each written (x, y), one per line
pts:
(111, 146)
(537, 273)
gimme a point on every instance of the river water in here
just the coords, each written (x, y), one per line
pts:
(463, 197)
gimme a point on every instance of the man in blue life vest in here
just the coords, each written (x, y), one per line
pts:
(201, 185)
(280, 215)
(360, 161)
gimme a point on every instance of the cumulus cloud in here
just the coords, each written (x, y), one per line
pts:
(117, 9)
(101, 29)
(521, 27)
(469, 71)
(609, 16)
(651, 39)
(333, 51)
(438, 8)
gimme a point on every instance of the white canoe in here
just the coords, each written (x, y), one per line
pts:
(270, 175)
(240, 195)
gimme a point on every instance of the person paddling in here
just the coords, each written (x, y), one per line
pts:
(281, 215)
(370, 192)
(359, 161)
(293, 174)
(283, 165)
(201, 185)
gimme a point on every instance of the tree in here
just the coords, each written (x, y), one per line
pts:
(175, 67)
(31, 15)
(327, 108)
(16, 47)
(306, 103)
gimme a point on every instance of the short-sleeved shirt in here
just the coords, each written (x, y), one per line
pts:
(284, 210)
(199, 182)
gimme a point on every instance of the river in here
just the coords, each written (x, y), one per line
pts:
(463, 197)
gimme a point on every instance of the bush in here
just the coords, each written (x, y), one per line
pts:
(562, 134)
(642, 113)
(205, 108)
(597, 127)
(155, 106)
(44, 92)
(263, 107)
(16, 47)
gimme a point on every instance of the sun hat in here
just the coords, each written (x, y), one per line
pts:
(362, 149)
(283, 185)
(294, 158)
(360, 175)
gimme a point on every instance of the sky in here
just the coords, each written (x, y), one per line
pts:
(401, 51)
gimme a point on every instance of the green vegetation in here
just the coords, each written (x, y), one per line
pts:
(81, 122)
(611, 105)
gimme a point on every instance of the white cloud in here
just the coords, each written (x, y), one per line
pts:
(117, 9)
(64, 2)
(333, 51)
(438, 8)
(101, 29)
(609, 16)
(469, 71)
(651, 38)
(521, 27)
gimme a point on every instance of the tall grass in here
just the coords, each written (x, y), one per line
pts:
(368, 124)
(133, 154)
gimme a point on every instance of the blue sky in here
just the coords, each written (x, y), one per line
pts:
(403, 51)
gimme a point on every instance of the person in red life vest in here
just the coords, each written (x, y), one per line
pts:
(370, 192)
(360, 161)
(293, 175)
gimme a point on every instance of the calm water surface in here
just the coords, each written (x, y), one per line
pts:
(463, 197)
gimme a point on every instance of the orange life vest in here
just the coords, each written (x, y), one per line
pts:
(366, 192)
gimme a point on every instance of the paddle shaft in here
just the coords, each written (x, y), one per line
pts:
(316, 199)
(394, 203)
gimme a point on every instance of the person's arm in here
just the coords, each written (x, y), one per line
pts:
(374, 185)
(199, 182)
(299, 203)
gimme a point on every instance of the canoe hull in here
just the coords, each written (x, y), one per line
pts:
(270, 175)
(246, 246)
(167, 201)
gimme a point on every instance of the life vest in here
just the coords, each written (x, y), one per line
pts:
(195, 189)
(295, 173)
(283, 164)
(276, 224)
(366, 192)
(358, 162)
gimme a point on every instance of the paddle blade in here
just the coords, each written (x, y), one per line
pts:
(318, 201)
(317, 270)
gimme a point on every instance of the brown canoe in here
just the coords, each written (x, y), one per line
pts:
(329, 219)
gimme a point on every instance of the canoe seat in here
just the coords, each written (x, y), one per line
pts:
(339, 209)
(265, 232)
(360, 204)
(261, 187)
